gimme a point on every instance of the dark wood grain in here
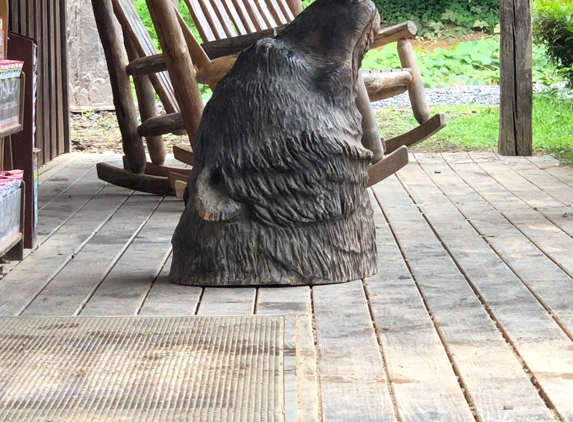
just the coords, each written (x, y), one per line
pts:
(139, 182)
(516, 88)
(146, 104)
(120, 85)
(179, 64)
(277, 195)
(146, 65)
(418, 134)
(161, 125)
(388, 166)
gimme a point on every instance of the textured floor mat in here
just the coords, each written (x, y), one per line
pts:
(141, 369)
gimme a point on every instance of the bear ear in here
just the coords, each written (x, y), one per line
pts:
(212, 200)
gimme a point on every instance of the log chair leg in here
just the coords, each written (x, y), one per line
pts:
(420, 106)
(179, 64)
(370, 137)
(147, 108)
(120, 86)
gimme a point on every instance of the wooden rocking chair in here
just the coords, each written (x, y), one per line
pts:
(230, 26)
(138, 58)
(227, 29)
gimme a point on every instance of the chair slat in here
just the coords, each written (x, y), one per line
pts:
(254, 14)
(295, 6)
(245, 17)
(214, 23)
(131, 23)
(200, 20)
(224, 18)
(198, 55)
(288, 10)
(278, 12)
(241, 27)
(265, 12)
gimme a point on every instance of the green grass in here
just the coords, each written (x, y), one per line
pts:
(476, 127)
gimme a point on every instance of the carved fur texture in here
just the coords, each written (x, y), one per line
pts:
(278, 191)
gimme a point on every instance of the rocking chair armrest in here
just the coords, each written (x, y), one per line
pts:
(212, 73)
(234, 45)
(393, 33)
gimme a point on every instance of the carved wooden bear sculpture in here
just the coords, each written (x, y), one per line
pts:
(278, 192)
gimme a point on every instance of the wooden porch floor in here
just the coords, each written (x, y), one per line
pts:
(470, 317)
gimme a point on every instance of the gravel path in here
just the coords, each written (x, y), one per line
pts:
(475, 94)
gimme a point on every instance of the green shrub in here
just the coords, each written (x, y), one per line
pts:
(433, 16)
(143, 12)
(467, 63)
(553, 26)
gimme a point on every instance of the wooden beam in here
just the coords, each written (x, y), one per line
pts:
(178, 61)
(122, 95)
(234, 45)
(391, 34)
(139, 182)
(388, 166)
(516, 101)
(146, 65)
(146, 102)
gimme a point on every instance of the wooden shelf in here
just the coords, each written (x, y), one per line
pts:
(8, 244)
(12, 222)
(10, 130)
(16, 127)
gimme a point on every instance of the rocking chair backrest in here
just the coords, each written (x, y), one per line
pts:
(220, 19)
(133, 27)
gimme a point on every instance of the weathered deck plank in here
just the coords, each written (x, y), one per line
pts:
(60, 209)
(424, 384)
(551, 166)
(549, 283)
(544, 180)
(29, 278)
(468, 319)
(59, 182)
(60, 162)
(495, 383)
(353, 382)
(137, 269)
(227, 301)
(547, 237)
(74, 285)
(556, 211)
(295, 304)
(525, 323)
(166, 298)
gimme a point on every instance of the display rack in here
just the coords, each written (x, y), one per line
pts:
(12, 204)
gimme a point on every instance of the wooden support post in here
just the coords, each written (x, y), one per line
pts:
(147, 108)
(516, 102)
(420, 106)
(179, 64)
(120, 86)
(370, 136)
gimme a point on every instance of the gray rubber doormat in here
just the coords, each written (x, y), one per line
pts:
(142, 369)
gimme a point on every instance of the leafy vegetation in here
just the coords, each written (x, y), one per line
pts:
(467, 63)
(143, 12)
(435, 18)
(553, 27)
(475, 126)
